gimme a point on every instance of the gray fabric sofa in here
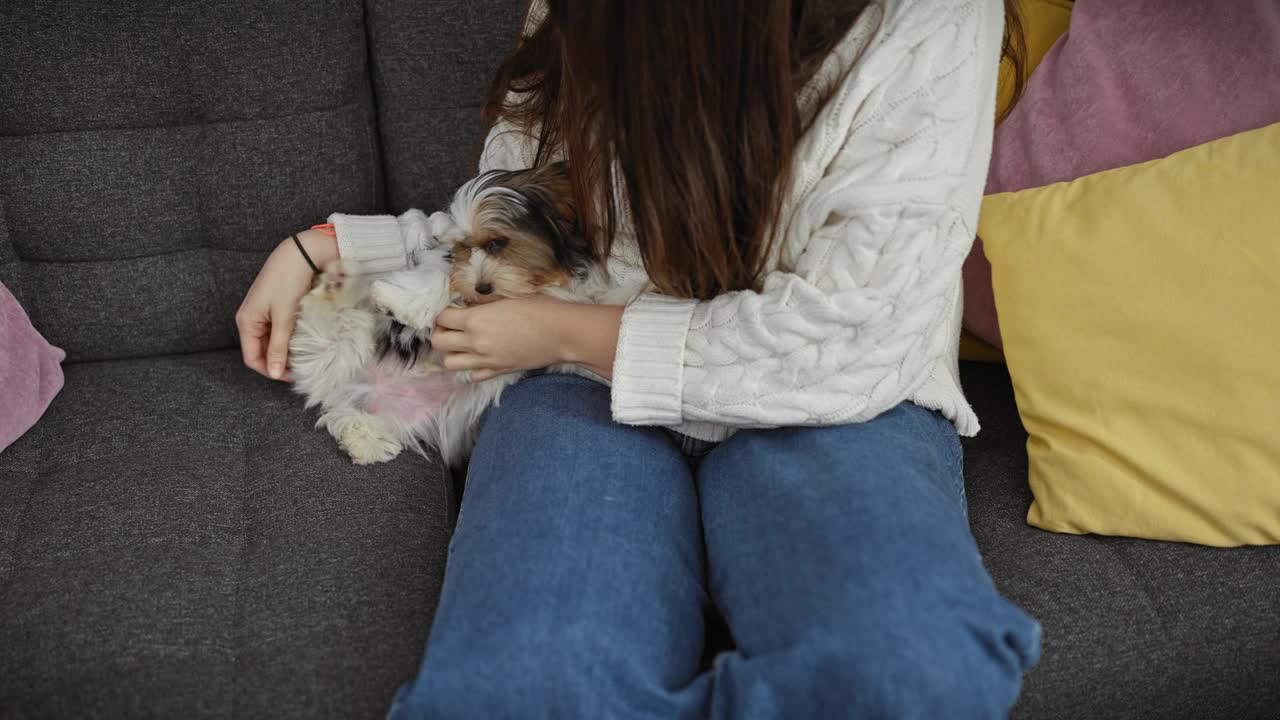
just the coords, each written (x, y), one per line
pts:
(176, 541)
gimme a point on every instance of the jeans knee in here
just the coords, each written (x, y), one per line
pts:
(553, 423)
(560, 395)
(964, 668)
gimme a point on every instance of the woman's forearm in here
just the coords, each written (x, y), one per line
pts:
(321, 247)
(589, 335)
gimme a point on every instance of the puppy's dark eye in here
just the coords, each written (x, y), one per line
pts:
(494, 246)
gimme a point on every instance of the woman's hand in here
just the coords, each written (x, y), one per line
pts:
(514, 334)
(265, 318)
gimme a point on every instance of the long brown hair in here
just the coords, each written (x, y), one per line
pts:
(695, 102)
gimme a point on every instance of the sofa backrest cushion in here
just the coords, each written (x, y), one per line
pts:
(432, 64)
(151, 154)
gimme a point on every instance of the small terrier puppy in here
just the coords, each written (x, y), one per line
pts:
(361, 347)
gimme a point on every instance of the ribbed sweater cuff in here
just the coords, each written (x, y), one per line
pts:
(648, 369)
(374, 241)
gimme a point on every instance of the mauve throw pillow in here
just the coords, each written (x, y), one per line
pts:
(30, 373)
(1131, 81)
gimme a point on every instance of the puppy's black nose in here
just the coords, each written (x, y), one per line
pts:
(484, 288)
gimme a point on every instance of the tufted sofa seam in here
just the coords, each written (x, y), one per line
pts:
(378, 193)
(174, 126)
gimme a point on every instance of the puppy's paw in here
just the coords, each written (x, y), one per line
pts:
(367, 443)
(365, 438)
(397, 302)
(336, 282)
(334, 276)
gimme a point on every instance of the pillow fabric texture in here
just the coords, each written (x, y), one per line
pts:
(1140, 310)
(1043, 22)
(30, 374)
(1130, 82)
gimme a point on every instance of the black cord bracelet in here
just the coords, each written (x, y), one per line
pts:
(305, 256)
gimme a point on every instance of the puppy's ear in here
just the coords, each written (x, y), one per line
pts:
(555, 218)
(549, 195)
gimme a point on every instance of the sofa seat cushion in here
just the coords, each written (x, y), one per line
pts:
(1133, 628)
(176, 540)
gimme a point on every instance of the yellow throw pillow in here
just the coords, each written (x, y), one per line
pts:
(1140, 312)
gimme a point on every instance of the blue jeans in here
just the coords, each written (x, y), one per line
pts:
(589, 555)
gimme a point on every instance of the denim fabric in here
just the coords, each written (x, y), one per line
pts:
(588, 556)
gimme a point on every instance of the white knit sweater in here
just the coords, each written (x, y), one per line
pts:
(861, 310)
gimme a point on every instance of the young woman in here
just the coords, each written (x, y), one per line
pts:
(779, 444)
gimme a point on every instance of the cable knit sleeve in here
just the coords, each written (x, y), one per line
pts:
(883, 213)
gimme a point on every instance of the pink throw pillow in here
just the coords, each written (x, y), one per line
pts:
(1131, 81)
(30, 374)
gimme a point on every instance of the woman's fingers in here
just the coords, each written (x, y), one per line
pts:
(278, 348)
(449, 340)
(466, 361)
(487, 374)
(252, 347)
(452, 318)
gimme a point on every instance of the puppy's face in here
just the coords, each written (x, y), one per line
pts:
(517, 234)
